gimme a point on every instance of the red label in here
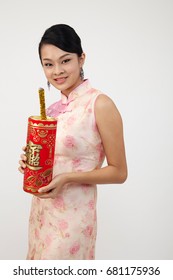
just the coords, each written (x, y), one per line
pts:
(40, 152)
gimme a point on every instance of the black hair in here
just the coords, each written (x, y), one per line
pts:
(63, 37)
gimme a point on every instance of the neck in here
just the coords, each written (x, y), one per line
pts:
(69, 90)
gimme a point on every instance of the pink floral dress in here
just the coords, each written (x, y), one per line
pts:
(65, 227)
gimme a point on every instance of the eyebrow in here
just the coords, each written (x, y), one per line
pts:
(64, 55)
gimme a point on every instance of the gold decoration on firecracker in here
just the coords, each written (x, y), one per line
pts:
(33, 156)
(42, 133)
(41, 125)
(42, 104)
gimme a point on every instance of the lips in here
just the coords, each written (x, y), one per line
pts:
(60, 81)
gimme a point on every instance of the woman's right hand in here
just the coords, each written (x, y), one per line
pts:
(22, 161)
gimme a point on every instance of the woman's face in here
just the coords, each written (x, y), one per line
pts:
(62, 69)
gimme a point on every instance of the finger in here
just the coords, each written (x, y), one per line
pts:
(24, 148)
(21, 170)
(22, 164)
(46, 188)
(23, 157)
(45, 195)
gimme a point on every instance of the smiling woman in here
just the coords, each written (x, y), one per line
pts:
(63, 223)
(62, 69)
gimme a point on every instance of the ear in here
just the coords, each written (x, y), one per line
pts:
(82, 59)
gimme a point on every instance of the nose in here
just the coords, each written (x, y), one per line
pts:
(58, 70)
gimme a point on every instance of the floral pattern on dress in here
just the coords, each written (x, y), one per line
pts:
(66, 227)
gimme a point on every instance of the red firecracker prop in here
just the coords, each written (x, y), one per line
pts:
(40, 149)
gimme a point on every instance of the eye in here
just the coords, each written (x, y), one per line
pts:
(48, 64)
(66, 61)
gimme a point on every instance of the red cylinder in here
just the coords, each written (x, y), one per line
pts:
(40, 152)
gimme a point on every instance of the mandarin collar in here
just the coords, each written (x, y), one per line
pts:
(78, 91)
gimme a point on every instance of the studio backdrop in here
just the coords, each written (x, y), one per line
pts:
(129, 57)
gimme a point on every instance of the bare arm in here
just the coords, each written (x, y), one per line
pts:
(110, 127)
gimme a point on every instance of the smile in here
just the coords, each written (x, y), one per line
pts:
(60, 81)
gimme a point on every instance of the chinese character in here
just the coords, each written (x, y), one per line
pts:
(33, 155)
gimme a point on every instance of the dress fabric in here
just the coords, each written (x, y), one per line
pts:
(65, 227)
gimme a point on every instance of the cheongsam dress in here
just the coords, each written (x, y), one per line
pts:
(65, 228)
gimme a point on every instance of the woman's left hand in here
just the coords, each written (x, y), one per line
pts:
(54, 188)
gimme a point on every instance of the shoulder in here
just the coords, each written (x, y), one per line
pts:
(108, 117)
(103, 100)
(105, 105)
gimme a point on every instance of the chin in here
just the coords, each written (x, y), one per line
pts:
(60, 87)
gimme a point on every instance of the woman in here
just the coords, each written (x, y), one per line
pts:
(63, 216)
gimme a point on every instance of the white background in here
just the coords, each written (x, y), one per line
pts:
(129, 48)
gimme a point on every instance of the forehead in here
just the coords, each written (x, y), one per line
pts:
(52, 52)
